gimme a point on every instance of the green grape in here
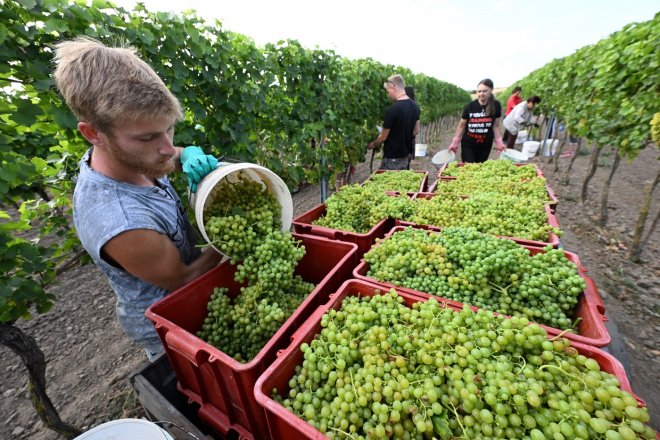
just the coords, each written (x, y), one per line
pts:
(464, 265)
(376, 383)
(488, 212)
(399, 181)
(359, 208)
(498, 176)
(243, 221)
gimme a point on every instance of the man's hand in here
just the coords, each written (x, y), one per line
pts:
(196, 165)
(499, 145)
(453, 147)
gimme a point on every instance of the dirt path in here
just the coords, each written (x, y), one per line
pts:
(89, 359)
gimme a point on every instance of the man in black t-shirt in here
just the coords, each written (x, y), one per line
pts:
(400, 126)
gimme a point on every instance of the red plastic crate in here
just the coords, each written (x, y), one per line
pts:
(423, 186)
(443, 168)
(222, 386)
(553, 239)
(285, 425)
(303, 225)
(590, 307)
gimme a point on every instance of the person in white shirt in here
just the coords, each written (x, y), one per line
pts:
(520, 116)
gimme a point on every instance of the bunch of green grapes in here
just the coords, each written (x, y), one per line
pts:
(243, 222)
(466, 185)
(238, 214)
(379, 369)
(490, 213)
(465, 265)
(494, 176)
(491, 167)
(359, 208)
(272, 263)
(241, 328)
(401, 181)
(655, 128)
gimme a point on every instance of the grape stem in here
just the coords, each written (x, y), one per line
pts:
(524, 365)
(560, 334)
(350, 373)
(576, 322)
(542, 367)
(342, 432)
(458, 420)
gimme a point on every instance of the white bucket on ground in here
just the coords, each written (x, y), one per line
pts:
(205, 194)
(442, 157)
(522, 136)
(420, 150)
(549, 147)
(530, 148)
(126, 429)
(514, 156)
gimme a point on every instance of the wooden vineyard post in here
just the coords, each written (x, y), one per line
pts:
(637, 245)
(593, 164)
(606, 189)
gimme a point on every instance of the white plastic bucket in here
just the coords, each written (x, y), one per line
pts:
(530, 148)
(442, 157)
(420, 150)
(522, 136)
(549, 147)
(126, 429)
(205, 194)
(514, 156)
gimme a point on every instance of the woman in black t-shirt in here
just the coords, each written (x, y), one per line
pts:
(479, 126)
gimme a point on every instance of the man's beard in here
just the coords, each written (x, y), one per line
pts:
(135, 162)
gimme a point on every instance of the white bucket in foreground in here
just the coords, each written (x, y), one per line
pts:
(442, 157)
(205, 194)
(126, 429)
(514, 156)
(420, 150)
(530, 148)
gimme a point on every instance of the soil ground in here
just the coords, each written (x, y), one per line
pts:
(89, 358)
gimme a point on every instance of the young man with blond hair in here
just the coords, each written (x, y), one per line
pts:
(400, 126)
(126, 212)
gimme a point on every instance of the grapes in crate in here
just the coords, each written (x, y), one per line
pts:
(467, 266)
(396, 181)
(380, 369)
(243, 222)
(488, 212)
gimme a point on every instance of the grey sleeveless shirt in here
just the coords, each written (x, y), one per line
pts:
(104, 208)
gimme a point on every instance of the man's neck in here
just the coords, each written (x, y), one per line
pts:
(103, 163)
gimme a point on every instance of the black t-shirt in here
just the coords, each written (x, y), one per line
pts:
(479, 128)
(400, 118)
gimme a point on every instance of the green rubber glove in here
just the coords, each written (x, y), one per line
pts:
(196, 165)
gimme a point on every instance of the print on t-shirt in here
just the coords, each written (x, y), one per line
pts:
(478, 125)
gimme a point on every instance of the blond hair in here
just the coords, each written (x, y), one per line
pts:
(397, 81)
(107, 86)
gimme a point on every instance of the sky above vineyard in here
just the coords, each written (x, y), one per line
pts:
(457, 41)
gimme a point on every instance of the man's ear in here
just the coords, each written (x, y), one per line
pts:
(90, 133)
